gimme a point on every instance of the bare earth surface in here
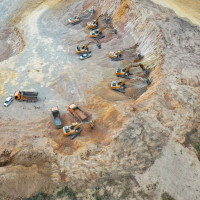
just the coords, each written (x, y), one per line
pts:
(138, 148)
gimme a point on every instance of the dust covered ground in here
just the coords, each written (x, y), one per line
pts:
(138, 148)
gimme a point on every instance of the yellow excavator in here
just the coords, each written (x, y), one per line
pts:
(119, 86)
(94, 24)
(117, 55)
(125, 72)
(77, 18)
(75, 129)
(85, 49)
(97, 33)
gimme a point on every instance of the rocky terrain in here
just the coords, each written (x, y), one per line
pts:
(145, 144)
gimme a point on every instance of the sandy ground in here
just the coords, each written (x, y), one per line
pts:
(132, 129)
(185, 9)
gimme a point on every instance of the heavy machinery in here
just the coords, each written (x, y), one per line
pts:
(26, 96)
(94, 24)
(56, 117)
(77, 112)
(72, 130)
(97, 33)
(75, 129)
(125, 72)
(77, 18)
(74, 20)
(119, 86)
(84, 49)
(117, 55)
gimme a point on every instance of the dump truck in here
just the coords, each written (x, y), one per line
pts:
(56, 117)
(26, 96)
(77, 113)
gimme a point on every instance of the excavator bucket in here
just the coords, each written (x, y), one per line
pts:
(99, 46)
(148, 82)
(147, 71)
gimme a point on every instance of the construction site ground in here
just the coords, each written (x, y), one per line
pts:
(144, 142)
(49, 64)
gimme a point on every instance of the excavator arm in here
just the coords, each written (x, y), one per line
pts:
(123, 83)
(96, 21)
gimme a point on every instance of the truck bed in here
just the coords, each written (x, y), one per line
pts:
(77, 112)
(31, 94)
(80, 114)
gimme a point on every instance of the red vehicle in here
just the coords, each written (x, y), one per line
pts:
(77, 113)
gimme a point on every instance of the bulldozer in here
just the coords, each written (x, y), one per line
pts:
(84, 49)
(119, 86)
(97, 33)
(125, 72)
(75, 129)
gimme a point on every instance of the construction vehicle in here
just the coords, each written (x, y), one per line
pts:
(94, 24)
(119, 86)
(77, 113)
(77, 18)
(125, 72)
(117, 55)
(26, 96)
(56, 116)
(74, 20)
(97, 33)
(75, 129)
(84, 49)
(72, 130)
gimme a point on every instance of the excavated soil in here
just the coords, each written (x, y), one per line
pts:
(139, 137)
